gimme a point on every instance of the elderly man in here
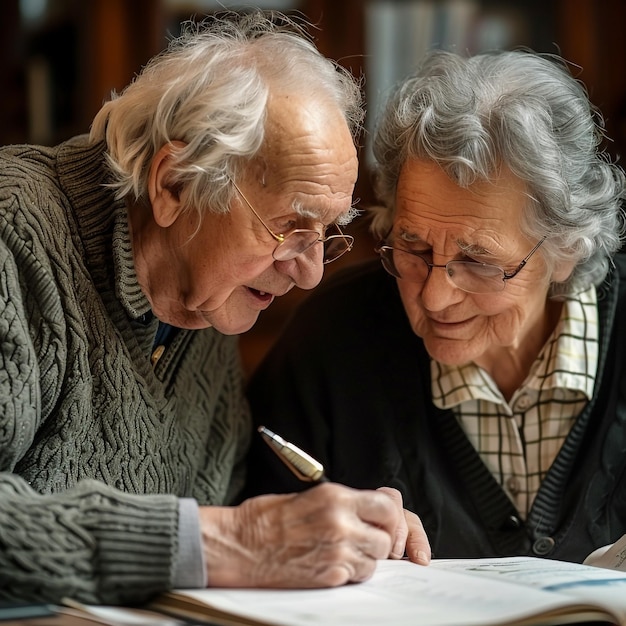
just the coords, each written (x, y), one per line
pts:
(216, 182)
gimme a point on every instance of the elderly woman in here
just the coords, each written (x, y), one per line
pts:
(213, 184)
(483, 373)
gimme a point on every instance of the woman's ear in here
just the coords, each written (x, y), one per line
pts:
(163, 194)
(562, 271)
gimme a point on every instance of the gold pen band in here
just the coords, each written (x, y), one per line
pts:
(304, 466)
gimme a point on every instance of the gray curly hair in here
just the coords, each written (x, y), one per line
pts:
(209, 90)
(524, 110)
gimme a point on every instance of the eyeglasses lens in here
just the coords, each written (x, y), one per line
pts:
(469, 276)
(295, 243)
(336, 246)
(476, 277)
(299, 241)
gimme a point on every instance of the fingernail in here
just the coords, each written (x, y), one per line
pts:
(422, 558)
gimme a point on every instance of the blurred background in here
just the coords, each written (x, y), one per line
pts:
(60, 59)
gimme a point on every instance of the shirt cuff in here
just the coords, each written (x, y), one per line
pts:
(190, 570)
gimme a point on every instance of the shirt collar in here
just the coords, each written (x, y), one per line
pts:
(568, 360)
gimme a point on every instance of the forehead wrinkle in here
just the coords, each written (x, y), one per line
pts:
(478, 214)
(465, 246)
(307, 139)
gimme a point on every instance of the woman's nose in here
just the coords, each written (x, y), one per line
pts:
(438, 291)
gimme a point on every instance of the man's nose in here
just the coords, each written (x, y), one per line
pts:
(305, 270)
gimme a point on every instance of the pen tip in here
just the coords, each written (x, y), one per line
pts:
(265, 431)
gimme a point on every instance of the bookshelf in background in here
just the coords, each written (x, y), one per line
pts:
(61, 59)
(57, 67)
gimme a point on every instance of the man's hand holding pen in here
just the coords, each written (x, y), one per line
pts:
(325, 536)
(410, 538)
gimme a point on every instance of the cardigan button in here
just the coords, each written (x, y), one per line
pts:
(512, 484)
(543, 546)
(512, 523)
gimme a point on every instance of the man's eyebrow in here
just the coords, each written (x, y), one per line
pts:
(342, 220)
(302, 211)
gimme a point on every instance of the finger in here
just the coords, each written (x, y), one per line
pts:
(363, 571)
(417, 544)
(363, 519)
(332, 569)
(402, 529)
(378, 509)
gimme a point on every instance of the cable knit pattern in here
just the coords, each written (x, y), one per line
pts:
(83, 415)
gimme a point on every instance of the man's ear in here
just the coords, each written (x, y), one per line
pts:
(164, 196)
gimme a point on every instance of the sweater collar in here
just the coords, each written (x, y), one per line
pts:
(102, 222)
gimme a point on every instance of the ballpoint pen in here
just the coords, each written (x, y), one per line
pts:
(305, 467)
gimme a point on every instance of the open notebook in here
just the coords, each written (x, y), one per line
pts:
(474, 592)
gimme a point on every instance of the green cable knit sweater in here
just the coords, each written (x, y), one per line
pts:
(96, 445)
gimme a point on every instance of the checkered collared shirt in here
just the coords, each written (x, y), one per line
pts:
(518, 440)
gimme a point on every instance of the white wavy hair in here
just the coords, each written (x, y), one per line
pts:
(209, 89)
(524, 110)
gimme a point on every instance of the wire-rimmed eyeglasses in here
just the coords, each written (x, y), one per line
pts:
(470, 276)
(299, 240)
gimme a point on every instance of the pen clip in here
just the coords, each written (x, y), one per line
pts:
(304, 466)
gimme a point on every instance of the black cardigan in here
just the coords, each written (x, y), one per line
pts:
(349, 382)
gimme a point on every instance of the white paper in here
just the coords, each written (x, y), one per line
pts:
(612, 556)
(586, 584)
(400, 593)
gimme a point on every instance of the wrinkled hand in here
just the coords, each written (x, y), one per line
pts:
(323, 537)
(410, 536)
